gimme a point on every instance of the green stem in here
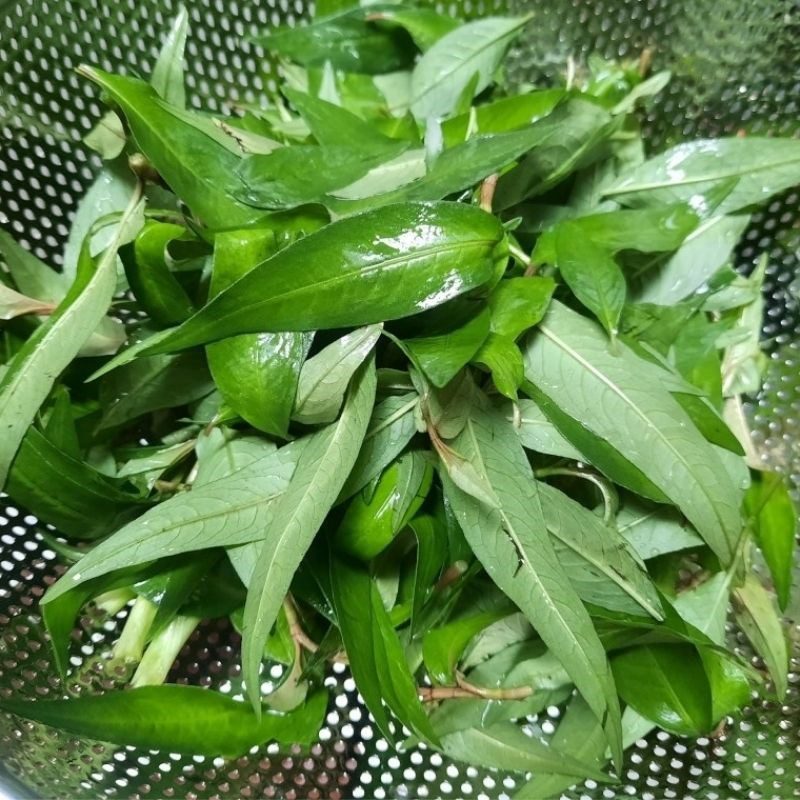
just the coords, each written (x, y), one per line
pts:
(114, 601)
(520, 255)
(608, 492)
(130, 645)
(162, 652)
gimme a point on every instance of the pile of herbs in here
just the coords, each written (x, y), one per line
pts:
(418, 371)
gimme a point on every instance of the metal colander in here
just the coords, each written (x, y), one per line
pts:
(736, 67)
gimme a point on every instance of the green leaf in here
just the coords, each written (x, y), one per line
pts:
(225, 512)
(504, 360)
(334, 126)
(603, 568)
(518, 304)
(391, 428)
(198, 169)
(655, 530)
(648, 230)
(424, 25)
(155, 287)
(443, 355)
(457, 168)
(511, 541)
(60, 427)
(537, 433)
(326, 460)
(761, 167)
(66, 492)
(377, 659)
(370, 523)
(707, 248)
(744, 362)
(31, 275)
(389, 181)
(149, 384)
(575, 144)
(592, 274)
(667, 684)
(774, 520)
(625, 401)
(432, 551)
(291, 176)
(757, 616)
(257, 373)
(325, 377)
(47, 352)
(503, 115)
(442, 647)
(154, 718)
(593, 449)
(107, 137)
(380, 265)
(167, 77)
(447, 68)
(346, 40)
(13, 304)
(505, 746)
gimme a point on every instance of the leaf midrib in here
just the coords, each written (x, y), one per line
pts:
(736, 173)
(617, 390)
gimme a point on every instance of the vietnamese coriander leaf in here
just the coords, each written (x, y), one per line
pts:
(30, 376)
(503, 531)
(376, 266)
(326, 460)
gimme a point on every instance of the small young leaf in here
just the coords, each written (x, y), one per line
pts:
(592, 274)
(377, 658)
(668, 685)
(503, 358)
(424, 25)
(447, 68)
(325, 377)
(774, 520)
(758, 618)
(517, 304)
(442, 356)
(167, 77)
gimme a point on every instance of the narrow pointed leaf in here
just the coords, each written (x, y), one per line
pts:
(167, 78)
(326, 460)
(511, 541)
(154, 718)
(620, 399)
(377, 658)
(30, 375)
(380, 265)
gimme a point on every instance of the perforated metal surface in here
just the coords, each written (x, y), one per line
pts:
(736, 65)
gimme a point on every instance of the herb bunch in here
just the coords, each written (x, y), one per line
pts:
(421, 372)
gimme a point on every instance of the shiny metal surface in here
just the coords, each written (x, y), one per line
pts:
(736, 66)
